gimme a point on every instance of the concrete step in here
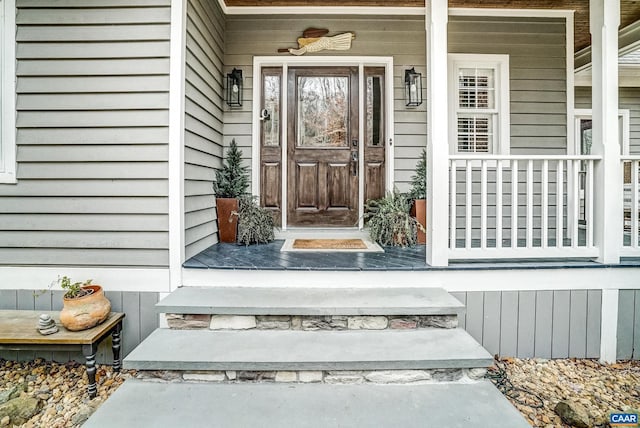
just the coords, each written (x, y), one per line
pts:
(145, 404)
(265, 350)
(310, 301)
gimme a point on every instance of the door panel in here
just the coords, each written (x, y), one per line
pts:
(307, 180)
(270, 180)
(322, 147)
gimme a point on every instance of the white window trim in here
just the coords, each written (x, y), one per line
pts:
(8, 92)
(623, 114)
(502, 133)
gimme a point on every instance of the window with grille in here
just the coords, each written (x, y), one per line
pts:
(476, 103)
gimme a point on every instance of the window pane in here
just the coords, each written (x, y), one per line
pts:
(271, 125)
(374, 116)
(323, 111)
(476, 88)
(475, 133)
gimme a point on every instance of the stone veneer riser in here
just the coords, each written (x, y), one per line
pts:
(329, 377)
(308, 323)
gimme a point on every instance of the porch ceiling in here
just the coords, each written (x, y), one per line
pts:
(629, 9)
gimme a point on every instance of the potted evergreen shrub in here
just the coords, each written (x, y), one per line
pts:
(390, 222)
(84, 304)
(418, 194)
(232, 182)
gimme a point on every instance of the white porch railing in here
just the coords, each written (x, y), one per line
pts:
(521, 206)
(631, 192)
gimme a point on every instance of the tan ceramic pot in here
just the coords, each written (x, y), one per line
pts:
(85, 312)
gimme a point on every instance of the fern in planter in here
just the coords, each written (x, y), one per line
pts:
(255, 224)
(389, 221)
(232, 181)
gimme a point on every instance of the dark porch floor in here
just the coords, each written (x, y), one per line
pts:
(269, 257)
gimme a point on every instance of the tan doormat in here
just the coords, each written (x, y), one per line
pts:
(329, 244)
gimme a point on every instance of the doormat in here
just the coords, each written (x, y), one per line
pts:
(355, 245)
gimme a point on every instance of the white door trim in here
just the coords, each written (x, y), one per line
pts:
(285, 62)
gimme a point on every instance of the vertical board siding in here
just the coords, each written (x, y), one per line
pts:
(628, 325)
(402, 37)
(203, 121)
(92, 135)
(527, 324)
(628, 99)
(140, 320)
(537, 71)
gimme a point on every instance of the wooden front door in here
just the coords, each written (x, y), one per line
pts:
(323, 147)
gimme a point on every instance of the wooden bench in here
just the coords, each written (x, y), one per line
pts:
(19, 332)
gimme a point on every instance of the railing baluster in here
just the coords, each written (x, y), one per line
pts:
(483, 205)
(634, 203)
(529, 231)
(514, 204)
(588, 199)
(574, 210)
(559, 204)
(469, 189)
(544, 233)
(499, 204)
(452, 195)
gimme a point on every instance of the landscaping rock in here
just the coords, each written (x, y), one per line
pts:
(19, 410)
(573, 413)
(11, 393)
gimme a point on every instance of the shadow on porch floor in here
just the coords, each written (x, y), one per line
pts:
(269, 257)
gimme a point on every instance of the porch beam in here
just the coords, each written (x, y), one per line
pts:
(437, 134)
(608, 203)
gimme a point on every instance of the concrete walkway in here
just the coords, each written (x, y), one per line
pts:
(140, 404)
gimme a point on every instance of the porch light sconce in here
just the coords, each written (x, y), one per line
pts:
(412, 88)
(234, 88)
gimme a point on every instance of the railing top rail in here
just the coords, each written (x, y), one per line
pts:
(630, 157)
(476, 157)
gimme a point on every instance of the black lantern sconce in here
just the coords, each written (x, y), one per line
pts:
(234, 88)
(412, 88)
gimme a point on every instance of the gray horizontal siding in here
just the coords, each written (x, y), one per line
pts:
(527, 324)
(628, 325)
(140, 320)
(403, 38)
(203, 121)
(629, 99)
(537, 68)
(92, 135)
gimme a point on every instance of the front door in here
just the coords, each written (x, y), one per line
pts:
(323, 147)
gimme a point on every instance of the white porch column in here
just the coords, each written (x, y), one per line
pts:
(176, 141)
(437, 134)
(608, 204)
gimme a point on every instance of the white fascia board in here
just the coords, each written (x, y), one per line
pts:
(111, 279)
(524, 13)
(322, 10)
(598, 278)
(628, 39)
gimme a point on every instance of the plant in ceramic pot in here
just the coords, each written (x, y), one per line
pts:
(84, 304)
(232, 182)
(418, 194)
(389, 220)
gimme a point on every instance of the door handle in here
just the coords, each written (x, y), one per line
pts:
(354, 163)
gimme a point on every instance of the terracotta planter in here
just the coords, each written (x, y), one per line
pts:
(227, 224)
(420, 207)
(85, 312)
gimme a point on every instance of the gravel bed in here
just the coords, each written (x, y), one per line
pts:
(60, 390)
(63, 401)
(600, 389)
